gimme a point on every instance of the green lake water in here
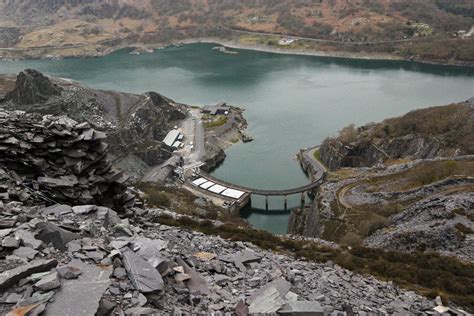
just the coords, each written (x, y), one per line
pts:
(291, 101)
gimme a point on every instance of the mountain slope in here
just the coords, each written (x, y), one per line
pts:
(64, 23)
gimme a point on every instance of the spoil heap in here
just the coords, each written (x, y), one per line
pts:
(56, 159)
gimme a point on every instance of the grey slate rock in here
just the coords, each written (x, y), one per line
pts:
(13, 298)
(196, 285)
(106, 308)
(25, 253)
(68, 272)
(57, 210)
(142, 311)
(57, 236)
(240, 258)
(148, 248)
(28, 239)
(49, 282)
(89, 287)
(5, 232)
(10, 277)
(303, 308)
(144, 277)
(120, 273)
(11, 242)
(268, 301)
(7, 223)
(84, 209)
(281, 285)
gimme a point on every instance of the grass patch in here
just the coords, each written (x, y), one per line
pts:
(219, 121)
(422, 174)
(426, 273)
(317, 155)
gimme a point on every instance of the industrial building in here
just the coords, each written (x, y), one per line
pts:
(218, 189)
(172, 139)
(220, 108)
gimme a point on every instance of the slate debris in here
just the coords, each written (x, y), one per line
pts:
(10, 277)
(65, 160)
(118, 275)
(54, 183)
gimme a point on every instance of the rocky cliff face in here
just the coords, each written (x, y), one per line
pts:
(135, 124)
(422, 134)
(305, 222)
(9, 36)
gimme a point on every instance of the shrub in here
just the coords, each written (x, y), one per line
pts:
(158, 199)
(372, 223)
(351, 239)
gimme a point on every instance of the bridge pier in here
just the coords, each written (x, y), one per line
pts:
(286, 202)
(266, 202)
(303, 201)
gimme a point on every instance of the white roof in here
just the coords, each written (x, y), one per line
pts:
(217, 188)
(207, 185)
(199, 181)
(235, 194)
(171, 137)
(176, 144)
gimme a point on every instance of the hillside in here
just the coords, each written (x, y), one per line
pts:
(60, 257)
(141, 120)
(443, 131)
(415, 30)
(404, 184)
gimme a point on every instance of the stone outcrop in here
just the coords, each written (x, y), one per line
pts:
(214, 155)
(135, 124)
(436, 223)
(422, 134)
(305, 221)
(57, 160)
(32, 87)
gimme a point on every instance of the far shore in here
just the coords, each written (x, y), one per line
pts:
(228, 44)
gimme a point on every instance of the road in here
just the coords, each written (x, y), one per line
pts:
(321, 40)
(318, 168)
(194, 131)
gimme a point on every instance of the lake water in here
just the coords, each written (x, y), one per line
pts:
(291, 101)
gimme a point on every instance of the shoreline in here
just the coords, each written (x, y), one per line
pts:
(233, 45)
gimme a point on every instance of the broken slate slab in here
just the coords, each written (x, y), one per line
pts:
(25, 253)
(10, 277)
(142, 311)
(268, 301)
(144, 277)
(68, 272)
(5, 232)
(196, 285)
(302, 308)
(48, 282)
(281, 285)
(84, 209)
(89, 287)
(11, 242)
(148, 248)
(56, 210)
(57, 236)
(108, 217)
(28, 239)
(240, 258)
